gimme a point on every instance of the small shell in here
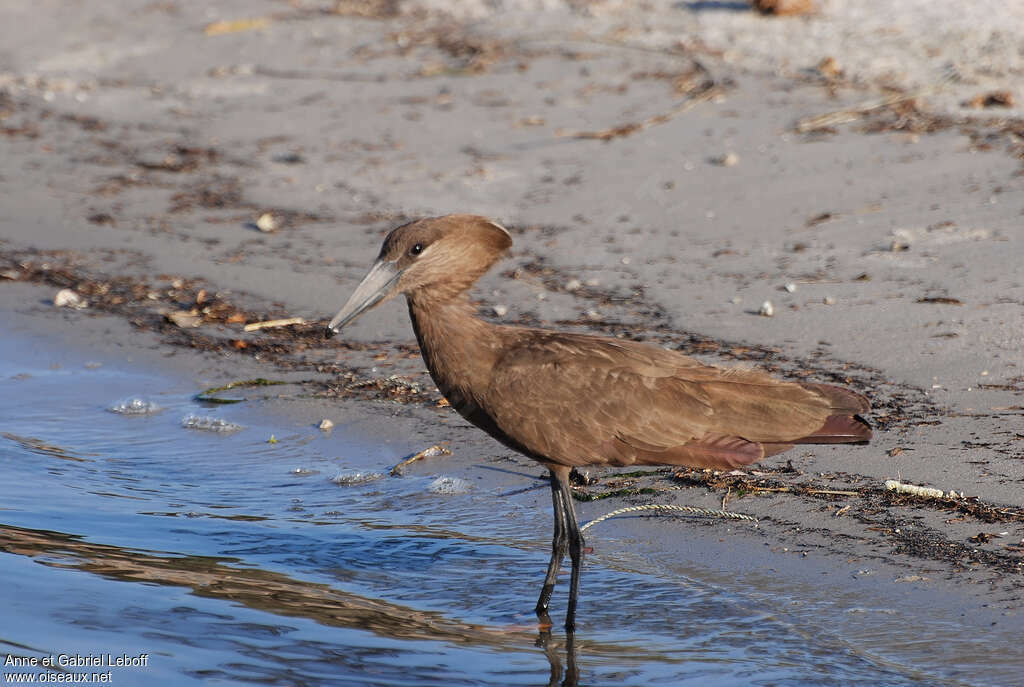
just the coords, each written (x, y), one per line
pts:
(767, 309)
(728, 159)
(67, 298)
(266, 223)
(325, 425)
(184, 318)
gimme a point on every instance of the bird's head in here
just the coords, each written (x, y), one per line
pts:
(440, 257)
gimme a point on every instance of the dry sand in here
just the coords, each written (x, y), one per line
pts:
(664, 170)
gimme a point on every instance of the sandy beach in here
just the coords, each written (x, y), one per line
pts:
(666, 169)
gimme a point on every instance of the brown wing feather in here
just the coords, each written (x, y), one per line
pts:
(580, 400)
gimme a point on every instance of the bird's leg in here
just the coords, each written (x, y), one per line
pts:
(575, 552)
(559, 544)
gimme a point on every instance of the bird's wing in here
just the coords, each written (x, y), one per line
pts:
(588, 401)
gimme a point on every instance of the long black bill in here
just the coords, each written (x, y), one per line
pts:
(376, 286)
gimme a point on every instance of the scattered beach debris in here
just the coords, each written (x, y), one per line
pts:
(940, 300)
(986, 537)
(325, 425)
(220, 28)
(302, 472)
(186, 319)
(789, 287)
(272, 439)
(207, 395)
(500, 310)
(829, 68)
(991, 99)
(705, 91)
(435, 450)
(68, 298)
(856, 112)
(206, 423)
(348, 478)
(916, 490)
(781, 8)
(766, 309)
(135, 406)
(820, 218)
(367, 9)
(449, 485)
(268, 324)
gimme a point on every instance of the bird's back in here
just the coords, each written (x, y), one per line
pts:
(575, 399)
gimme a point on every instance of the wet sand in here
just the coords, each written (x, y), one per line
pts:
(664, 172)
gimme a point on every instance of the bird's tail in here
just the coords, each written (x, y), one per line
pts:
(844, 426)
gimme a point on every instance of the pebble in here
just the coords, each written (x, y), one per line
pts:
(184, 318)
(267, 223)
(829, 300)
(500, 310)
(67, 298)
(790, 287)
(325, 425)
(767, 309)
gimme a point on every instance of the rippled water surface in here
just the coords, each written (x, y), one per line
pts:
(228, 559)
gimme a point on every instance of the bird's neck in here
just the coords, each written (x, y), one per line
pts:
(459, 348)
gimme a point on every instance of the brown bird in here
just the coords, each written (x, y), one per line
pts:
(570, 400)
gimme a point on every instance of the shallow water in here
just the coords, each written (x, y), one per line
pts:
(225, 558)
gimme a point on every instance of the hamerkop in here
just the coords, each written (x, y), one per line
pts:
(570, 400)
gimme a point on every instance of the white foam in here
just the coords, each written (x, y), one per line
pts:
(349, 478)
(135, 406)
(449, 485)
(209, 424)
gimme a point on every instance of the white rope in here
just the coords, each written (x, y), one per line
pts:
(692, 510)
(917, 490)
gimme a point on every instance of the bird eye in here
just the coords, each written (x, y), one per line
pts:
(417, 249)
